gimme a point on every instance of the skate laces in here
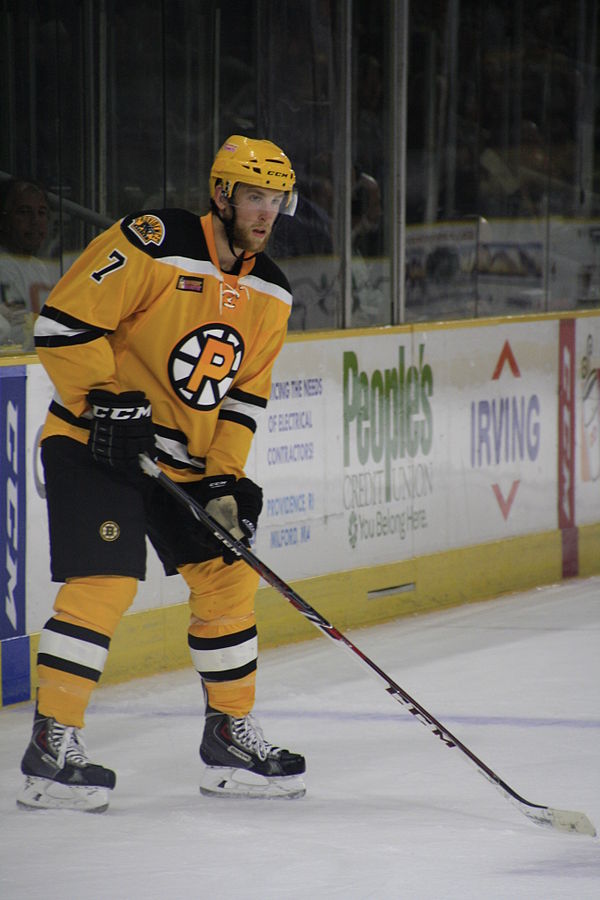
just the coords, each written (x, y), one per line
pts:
(247, 732)
(68, 745)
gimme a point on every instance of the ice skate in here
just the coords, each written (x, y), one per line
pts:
(58, 773)
(241, 763)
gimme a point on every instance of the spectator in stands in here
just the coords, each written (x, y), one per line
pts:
(25, 279)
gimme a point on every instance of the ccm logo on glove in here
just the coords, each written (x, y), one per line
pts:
(121, 429)
(126, 412)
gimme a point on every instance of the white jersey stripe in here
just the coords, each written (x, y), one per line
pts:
(266, 287)
(177, 451)
(47, 327)
(194, 266)
(252, 410)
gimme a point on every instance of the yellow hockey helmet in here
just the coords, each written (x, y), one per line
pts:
(256, 162)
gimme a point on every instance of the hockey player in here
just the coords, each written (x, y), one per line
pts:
(161, 340)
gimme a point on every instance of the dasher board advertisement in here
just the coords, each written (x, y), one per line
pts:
(381, 446)
(386, 446)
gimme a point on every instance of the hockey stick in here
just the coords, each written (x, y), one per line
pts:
(559, 819)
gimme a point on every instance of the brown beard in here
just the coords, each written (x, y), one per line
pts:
(248, 243)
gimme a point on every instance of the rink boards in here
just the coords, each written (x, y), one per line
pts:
(404, 469)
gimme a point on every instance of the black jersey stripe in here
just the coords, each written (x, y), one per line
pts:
(62, 413)
(179, 464)
(63, 318)
(173, 434)
(178, 232)
(233, 416)
(172, 449)
(245, 397)
(268, 271)
(66, 332)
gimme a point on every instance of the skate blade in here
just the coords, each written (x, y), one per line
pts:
(220, 781)
(43, 793)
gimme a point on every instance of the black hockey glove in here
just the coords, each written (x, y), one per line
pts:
(234, 504)
(121, 429)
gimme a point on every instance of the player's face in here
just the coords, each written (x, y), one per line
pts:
(255, 212)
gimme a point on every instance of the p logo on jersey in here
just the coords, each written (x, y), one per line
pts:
(204, 363)
(149, 229)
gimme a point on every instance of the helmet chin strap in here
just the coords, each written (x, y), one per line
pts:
(228, 225)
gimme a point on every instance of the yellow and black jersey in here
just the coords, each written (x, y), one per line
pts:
(147, 307)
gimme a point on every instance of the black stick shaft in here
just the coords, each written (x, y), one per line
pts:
(542, 815)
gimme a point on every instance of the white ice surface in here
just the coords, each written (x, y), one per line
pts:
(390, 811)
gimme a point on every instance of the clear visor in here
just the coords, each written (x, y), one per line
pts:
(265, 200)
(292, 202)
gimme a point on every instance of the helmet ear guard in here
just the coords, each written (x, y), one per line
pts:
(255, 162)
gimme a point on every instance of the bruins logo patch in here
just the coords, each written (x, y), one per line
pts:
(149, 229)
(109, 531)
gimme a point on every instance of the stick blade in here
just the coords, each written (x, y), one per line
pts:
(561, 820)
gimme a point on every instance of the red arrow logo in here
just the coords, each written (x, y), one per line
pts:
(505, 505)
(506, 356)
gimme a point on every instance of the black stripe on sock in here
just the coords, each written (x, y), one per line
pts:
(78, 631)
(230, 674)
(65, 665)
(224, 640)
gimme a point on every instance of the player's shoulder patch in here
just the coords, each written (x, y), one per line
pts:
(165, 232)
(148, 228)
